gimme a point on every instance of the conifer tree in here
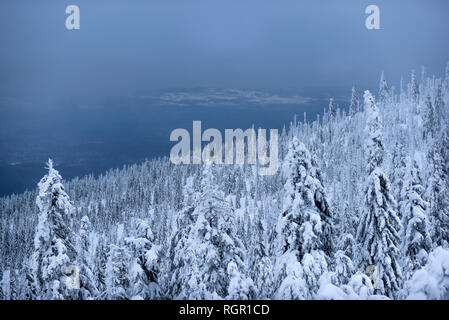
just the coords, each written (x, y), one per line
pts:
(414, 88)
(240, 287)
(417, 243)
(261, 263)
(438, 195)
(384, 91)
(399, 162)
(439, 109)
(144, 268)
(1, 287)
(304, 231)
(332, 109)
(117, 276)
(88, 289)
(429, 119)
(344, 268)
(354, 106)
(5, 285)
(181, 252)
(446, 78)
(54, 249)
(211, 244)
(101, 258)
(379, 230)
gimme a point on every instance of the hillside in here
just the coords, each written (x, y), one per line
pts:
(359, 208)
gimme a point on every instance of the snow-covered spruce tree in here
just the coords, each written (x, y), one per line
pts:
(379, 230)
(429, 119)
(432, 281)
(28, 292)
(384, 91)
(5, 285)
(261, 263)
(101, 258)
(332, 109)
(444, 151)
(347, 244)
(19, 284)
(209, 246)
(1, 287)
(215, 239)
(15, 284)
(304, 231)
(240, 287)
(117, 277)
(354, 106)
(399, 162)
(438, 196)
(181, 252)
(54, 249)
(446, 78)
(344, 268)
(416, 238)
(359, 287)
(144, 271)
(88, 289)
(439, 107)
(414, 88)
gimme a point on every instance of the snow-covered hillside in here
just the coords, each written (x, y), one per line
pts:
(358, 210)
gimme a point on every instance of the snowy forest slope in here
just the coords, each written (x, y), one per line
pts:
(359, 209)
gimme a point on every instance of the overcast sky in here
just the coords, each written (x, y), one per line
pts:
(125, 47)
